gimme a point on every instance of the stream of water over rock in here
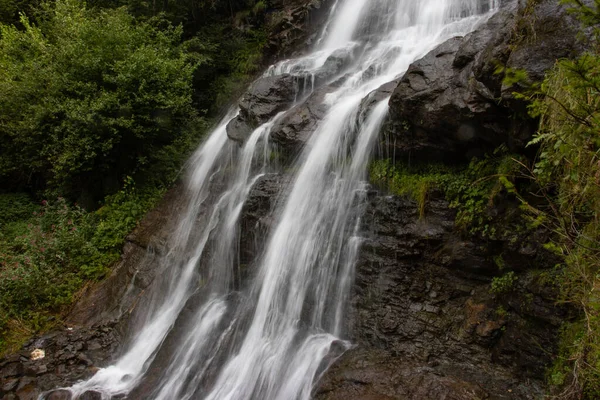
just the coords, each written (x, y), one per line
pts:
(273, 334)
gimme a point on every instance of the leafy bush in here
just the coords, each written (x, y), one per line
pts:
(89, 96)
(15, 206)
(40, 264)
(503, 284)
(567, 171)
(119, 215)
(47, 256)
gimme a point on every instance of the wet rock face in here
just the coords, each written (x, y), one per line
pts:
(256, 218)
(424, 321)
(447, 105)
(441, 108)
(68, 357)
(265, 98)
(295, 127)
(374, 375)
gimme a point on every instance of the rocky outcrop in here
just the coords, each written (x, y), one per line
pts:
(271, 95)
(448, 104)
(296, 126)
(256, 218)
(265, 98)
(424, 321)
(56, 360)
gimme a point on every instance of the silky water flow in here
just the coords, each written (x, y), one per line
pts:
(271, 335)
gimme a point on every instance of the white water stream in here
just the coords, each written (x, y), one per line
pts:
(274, 334)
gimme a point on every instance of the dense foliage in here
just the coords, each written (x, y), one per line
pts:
(89, 96)
(49, 249)
(568, 173)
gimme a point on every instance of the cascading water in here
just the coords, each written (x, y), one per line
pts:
(272, 336)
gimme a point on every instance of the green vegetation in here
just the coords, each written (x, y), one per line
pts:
(566, 175)
(471, 189)
(50, 249)
(100, 104)
(567, 171)
(91, 94)
(87, 97)
(503, 284)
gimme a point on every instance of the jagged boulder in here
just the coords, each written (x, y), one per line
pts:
(265, 98)
(373, 98)
(448, 104)
(293, 130)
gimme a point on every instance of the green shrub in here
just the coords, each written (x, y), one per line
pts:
(40, 265)
(503, 284)
(567, 171)
(89, 96)
(119, 215)
(15, 206)
(46, 256)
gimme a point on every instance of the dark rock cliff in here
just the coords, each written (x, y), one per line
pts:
(424, 321)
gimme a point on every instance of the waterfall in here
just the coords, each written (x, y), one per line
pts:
(272, 335)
